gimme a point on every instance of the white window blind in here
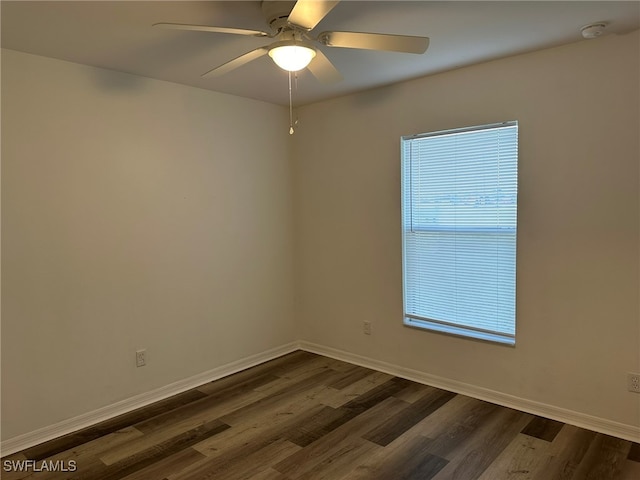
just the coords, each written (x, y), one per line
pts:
(459, 202)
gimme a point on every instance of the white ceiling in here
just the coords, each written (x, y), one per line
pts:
(119, 36)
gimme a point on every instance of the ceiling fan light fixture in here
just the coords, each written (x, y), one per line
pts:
(292, 57)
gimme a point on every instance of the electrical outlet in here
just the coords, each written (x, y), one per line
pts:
(633, 382)
(141, 358)
(366, 328)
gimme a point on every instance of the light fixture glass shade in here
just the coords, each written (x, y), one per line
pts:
(292, 57)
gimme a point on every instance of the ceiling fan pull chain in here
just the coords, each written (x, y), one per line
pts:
(295, 122)
(290, 108)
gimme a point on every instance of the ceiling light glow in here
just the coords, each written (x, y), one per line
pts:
(292, 57)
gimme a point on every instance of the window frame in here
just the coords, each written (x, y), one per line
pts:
(441, 326)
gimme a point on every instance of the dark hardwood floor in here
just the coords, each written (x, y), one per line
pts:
(304, 416)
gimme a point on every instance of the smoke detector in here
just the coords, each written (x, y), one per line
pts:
(593, 30)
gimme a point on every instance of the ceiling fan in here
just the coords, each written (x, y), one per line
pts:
(293, 49)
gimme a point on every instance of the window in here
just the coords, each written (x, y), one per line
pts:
(459, 219)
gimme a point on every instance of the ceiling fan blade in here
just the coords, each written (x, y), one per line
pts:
(236, 62)
(308, 13)
(323, 69)
(207, 28)
(375, 41)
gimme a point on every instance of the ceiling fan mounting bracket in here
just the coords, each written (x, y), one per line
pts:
(276, 13)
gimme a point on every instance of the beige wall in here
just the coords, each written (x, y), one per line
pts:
(578, 331)
(138, 213)
(135, 213)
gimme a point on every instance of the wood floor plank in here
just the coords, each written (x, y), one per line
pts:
(245, 467)
(342, 366)
(272, 401)
(66, 442)
(15, 469)
(15, 457)
(630, 470)
(145, 458)
(328, 419)
(346, 394)
(167, 466)
(299, 372)
(351, 376)
(397, 424)
(83, 455)
(250, 467)
(276, 367)
(471, 458)
(234, 396)
(99, 445)
(279, 366)
(413, 392)
(256, 406)
(567, 451)
(310, 429)
(237, 384)
(165, 437)
(238, 442)
(634, 452)
(308, 457)
(604, 459)
(177, 425)
(307, 417)
(389, 461)
(236, 412)
(313, 427)
(270, 474)
(460, 413)
(90, 466)
(277, 409)
(543, 428)
(313, 454)
(290, 412)
(374, 396)
(521, 460)
(415, 462)
(235, 450)
(460, 428)
(336, 462)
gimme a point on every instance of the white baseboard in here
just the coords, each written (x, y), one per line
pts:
(21, 442)
(85, 420)
(597, 424)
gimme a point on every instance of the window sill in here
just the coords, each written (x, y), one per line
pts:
(460, 332)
